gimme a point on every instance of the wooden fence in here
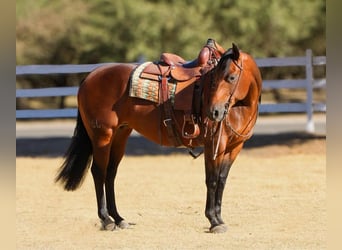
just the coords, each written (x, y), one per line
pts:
(309, 83)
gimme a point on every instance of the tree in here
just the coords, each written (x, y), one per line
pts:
(83, 31)
(123, 30)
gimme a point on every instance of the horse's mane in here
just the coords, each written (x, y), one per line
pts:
(222, 63)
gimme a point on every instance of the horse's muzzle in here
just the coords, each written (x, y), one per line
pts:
(218, 112)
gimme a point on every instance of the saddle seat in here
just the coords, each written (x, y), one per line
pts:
(171, 59)
(157, 70)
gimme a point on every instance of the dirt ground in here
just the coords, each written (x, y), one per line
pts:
(275, 198)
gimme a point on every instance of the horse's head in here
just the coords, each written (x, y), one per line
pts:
(236, 80)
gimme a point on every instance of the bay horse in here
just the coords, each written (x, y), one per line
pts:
(229, 94)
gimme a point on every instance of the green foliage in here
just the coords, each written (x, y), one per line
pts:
(84, 31)
(48, 32)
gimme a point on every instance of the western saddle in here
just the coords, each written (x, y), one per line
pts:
(173, 69)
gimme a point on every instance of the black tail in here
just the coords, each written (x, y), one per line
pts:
(77, 158)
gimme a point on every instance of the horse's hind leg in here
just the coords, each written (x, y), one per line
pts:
(101, 154)
(98, 176)
(117, 152)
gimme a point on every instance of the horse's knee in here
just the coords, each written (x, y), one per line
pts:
(211, 184)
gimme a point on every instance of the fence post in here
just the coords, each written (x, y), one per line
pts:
(310, 125)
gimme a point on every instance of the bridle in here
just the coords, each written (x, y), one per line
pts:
(227, 104)
(217, 130)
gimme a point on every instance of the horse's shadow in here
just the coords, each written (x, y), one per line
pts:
(138, 145)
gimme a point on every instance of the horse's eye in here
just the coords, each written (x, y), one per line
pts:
(231, 78)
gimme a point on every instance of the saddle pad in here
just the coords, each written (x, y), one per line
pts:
(147, 89)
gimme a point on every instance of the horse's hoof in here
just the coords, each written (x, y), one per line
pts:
(108, 224)
(123, 224)
(218, 229)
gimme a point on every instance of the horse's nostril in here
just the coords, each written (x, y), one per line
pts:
(216, 113)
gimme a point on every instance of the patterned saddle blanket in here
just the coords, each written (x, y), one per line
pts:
(146, 87)
(146, 83)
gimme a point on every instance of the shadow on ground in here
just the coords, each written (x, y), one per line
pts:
(137, 146)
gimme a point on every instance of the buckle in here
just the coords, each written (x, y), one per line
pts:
(166, 121)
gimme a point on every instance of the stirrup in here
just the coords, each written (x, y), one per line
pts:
(194, 128)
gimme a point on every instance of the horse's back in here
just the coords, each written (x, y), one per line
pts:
(107, 80)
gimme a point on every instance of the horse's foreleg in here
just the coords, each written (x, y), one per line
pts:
(227, 162)
(224, 170)
(117, 152)
(216, 175)
(211, 179)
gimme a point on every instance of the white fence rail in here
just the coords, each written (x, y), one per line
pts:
(308, 83)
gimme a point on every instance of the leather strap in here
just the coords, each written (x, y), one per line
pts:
(168, 119)
(164, 90)
(197, 98)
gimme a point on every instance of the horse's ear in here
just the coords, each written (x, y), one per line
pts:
(236, 51)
